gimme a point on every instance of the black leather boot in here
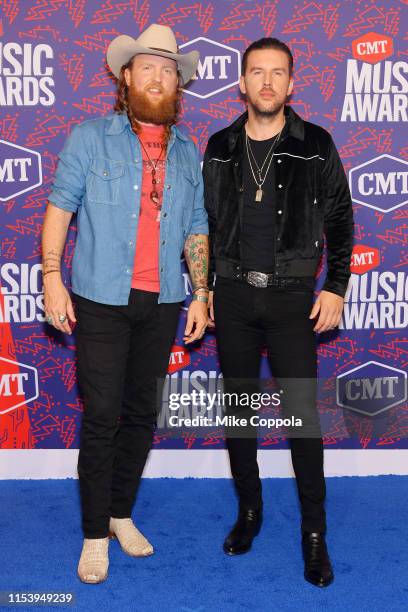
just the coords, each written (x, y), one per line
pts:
(318, 569)
(248, 525)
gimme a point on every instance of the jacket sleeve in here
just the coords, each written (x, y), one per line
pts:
(70, 177)
(210, 208)
(338, 222)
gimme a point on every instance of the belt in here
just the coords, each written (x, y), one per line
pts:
(226, 269)
(261, 279)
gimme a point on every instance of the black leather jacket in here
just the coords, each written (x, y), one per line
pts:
(312, 199)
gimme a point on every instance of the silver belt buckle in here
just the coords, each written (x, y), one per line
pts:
(257, 279)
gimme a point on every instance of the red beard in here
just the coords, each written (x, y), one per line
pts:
(162, 112)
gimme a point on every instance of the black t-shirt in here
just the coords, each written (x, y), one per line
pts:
(257, 238)
(258, 235)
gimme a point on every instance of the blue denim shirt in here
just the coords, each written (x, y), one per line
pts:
(99, 176)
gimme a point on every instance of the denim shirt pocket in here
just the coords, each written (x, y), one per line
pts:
(103, 181)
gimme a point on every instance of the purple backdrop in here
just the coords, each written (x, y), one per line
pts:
(350, 77)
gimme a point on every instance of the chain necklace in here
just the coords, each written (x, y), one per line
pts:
(260, 169)
(154, 196)
(260, 182)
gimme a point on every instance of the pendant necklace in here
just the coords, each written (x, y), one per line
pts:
(154, 196)
(259, 183)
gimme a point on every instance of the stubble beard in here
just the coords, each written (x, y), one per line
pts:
(270, 112)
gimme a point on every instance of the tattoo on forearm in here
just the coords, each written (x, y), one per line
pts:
(51, 259)
(196, 253)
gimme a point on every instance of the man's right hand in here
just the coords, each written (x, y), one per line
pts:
(58, 302)
(211, 321)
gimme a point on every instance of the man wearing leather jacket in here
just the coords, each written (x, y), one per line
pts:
(274, 187)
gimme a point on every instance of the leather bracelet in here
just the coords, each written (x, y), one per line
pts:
(200, 298)
(201, 288)
(48, 271)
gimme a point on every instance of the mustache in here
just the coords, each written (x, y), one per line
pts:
(155, 85)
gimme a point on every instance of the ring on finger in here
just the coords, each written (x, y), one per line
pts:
(49, 320)
(62, 318)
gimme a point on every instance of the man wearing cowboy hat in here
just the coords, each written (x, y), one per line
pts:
(134, 181)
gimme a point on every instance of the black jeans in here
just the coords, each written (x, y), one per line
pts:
(247, 318)
(122, 353)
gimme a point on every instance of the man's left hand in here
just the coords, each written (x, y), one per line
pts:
(329, 307)
(197, 314)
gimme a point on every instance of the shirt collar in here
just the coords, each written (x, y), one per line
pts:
(120, 121)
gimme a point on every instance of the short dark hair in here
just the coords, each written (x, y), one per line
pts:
(267, 43)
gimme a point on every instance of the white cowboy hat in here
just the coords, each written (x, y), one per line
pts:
(155, 40)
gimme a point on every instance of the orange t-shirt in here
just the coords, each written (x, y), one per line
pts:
(146, 261)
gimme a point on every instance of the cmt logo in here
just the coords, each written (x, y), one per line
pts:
(364, 259)
(179, 359)
(372, 47)
(219, 67)
(20, 170)
(380, 183)
(18, 384)
(371, 388)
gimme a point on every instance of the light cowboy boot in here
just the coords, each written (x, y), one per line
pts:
(131, 540)
(94, 561)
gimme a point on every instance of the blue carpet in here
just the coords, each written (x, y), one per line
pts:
(186, 520)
